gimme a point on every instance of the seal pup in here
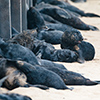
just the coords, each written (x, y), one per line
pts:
(74, 41)
(11, 77)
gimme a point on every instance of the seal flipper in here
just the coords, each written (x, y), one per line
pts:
(71, 88)
(98, 82)
(89, 82)
(38, 86)
(80, 59)
(41, 87)
(91, 15)
(79, 51)
(2, 80)
(93, 28)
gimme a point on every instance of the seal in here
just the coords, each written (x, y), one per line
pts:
(67, 6)
(63, 16)
(69, 77)
(12, 77)
(88, 50)
(13, 96)
(70, 40)
(34, 19)
(76, 1)
(60, 26)
(50, 36)
(74, 41)
(39, 75)
(16, 51)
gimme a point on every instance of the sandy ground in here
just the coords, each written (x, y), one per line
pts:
(90, 69)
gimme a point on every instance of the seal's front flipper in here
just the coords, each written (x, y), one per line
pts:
(81, 60)
(79, 51)
(41, 87)
(38, 86)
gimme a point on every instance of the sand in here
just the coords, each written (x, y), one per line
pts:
(90, 69)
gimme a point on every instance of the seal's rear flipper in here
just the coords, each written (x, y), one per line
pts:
(93, 28)
(92, 15)
(89, 82)
(98, 82)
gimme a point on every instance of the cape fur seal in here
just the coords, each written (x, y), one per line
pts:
(13, 96)
(74, 41)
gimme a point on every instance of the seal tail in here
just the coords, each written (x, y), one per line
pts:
(91, 15)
